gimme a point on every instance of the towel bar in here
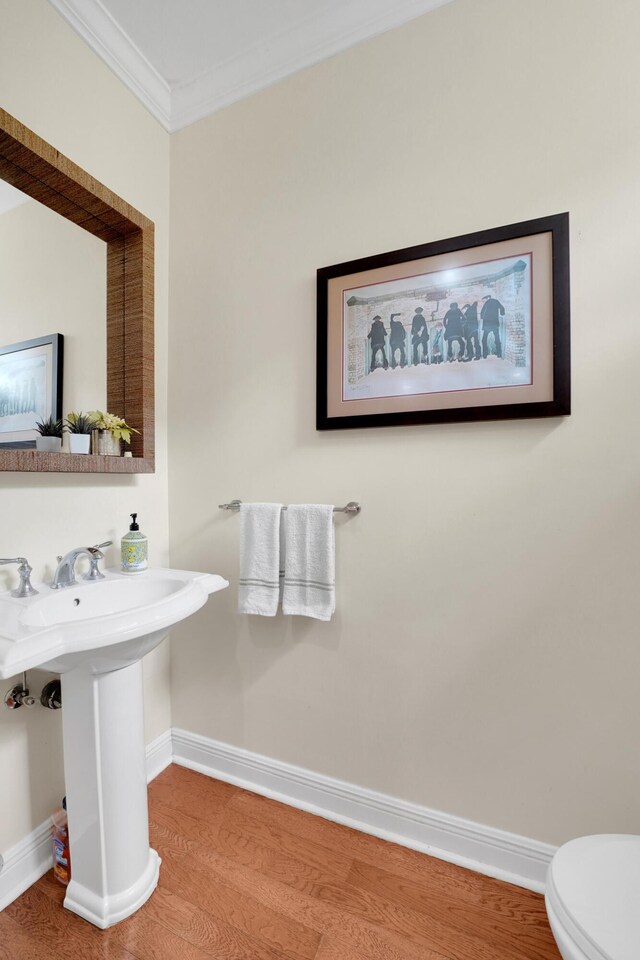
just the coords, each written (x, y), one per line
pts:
(352, 507)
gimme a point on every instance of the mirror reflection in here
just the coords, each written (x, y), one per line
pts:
(52, 281)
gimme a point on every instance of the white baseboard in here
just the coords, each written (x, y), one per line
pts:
(487, 850)
(25, 863)
(30, 859)
(159, 755)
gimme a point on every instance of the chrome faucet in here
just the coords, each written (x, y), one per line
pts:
(24, 589)
(65, 575)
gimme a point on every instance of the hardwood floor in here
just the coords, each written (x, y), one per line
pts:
(246, 878)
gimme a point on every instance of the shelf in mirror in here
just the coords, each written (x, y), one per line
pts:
(35, 461)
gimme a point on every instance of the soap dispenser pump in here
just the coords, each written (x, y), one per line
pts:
(134, 548)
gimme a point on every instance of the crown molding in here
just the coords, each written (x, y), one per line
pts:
(322, 35)
(301, 46)
(106, 38)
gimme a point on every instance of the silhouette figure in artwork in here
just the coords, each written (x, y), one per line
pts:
(377, 336)
(437, 342)
(453, 331)
(470, 331)
(397, 340)
(419, 335)
(490, 315)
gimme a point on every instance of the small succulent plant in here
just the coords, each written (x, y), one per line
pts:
(80, 422)
(115, 425)
(50, 428)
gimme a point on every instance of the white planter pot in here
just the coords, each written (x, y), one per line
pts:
(79, 442)
(49, 444)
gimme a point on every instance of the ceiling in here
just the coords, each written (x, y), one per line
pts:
(185, 59)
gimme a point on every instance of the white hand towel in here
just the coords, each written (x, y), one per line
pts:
(310, 562)
(259, 590)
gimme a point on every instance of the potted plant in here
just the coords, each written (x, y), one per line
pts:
(79, 427)
(108, 432)
(49, 439)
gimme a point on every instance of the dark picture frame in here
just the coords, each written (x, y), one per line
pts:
(31, 378)
(377, 365)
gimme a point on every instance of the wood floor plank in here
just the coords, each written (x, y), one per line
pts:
(210, 891)
(462, 886)
(201, 929)
(352, 931)
(244, 850)
(149, 940)
(434, 932)
(274, 852)
(191, 827)
(177, 921)
(247, 850)
(431, 933)
(503, 920)
(59, 932)
(327, 836)
(430, 875)
(244, 840)
(237, 823)
(246, 878)
(192, 794)
(331, 949)
(367, 848)
(184, 780)
(16, 942)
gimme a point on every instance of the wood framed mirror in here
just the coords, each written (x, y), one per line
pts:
(34, 167)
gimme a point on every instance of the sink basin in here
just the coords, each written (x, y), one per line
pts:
(103, 621)
(103, 599)
(95, 634)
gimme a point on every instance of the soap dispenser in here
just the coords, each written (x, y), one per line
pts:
(133, 549)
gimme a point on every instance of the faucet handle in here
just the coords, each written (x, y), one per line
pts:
(94, 573)
(24, 589)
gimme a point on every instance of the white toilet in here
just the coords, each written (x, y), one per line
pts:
(593, 898)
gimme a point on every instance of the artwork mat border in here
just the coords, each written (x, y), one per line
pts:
(539, 391)
(25, 439)
(559, 404)
(395, 396)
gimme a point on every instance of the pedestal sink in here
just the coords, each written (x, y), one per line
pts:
(95, 635)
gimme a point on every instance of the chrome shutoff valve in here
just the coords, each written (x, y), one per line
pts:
(19, 695)
(51, 696)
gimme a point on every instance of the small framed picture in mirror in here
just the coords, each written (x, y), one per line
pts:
(30, 388)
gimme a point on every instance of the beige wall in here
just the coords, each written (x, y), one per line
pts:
(484, 658)
(53, 83)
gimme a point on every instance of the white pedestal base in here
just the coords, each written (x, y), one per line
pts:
(103, 912)
(113, 869)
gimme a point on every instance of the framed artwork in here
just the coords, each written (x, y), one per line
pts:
(30, 388)
(471, 328)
